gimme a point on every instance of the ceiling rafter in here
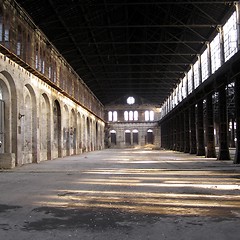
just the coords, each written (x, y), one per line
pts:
(72, 38)
(132, 46)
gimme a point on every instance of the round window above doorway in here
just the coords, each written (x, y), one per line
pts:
(130, 100)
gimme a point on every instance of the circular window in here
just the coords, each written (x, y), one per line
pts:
(130, 100)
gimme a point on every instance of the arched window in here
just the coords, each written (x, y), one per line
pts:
(50, 72)
(43, 62)
(110, 116)
(151, 115)
(19, 41)
(126, 115)
(130, 115)
(6, 31)
(55, 72)
(135, 115)
(28, 49)
(146, 115)
(36, 56)
(115, 116)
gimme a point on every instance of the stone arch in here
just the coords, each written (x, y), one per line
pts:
(29, 125)
(57, 125)
(4, 118)
(11, 118)
(45, 128)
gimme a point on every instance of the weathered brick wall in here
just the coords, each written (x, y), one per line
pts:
(41, 123)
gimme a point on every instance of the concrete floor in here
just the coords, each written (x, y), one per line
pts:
(134, 194)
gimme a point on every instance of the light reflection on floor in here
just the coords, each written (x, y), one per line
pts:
(154, 191)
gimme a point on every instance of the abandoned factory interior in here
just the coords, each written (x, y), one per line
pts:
(81, 76)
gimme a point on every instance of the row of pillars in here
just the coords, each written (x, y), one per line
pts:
(185, 130)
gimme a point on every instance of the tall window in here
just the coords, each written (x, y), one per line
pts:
(19, 41)
(205, 65)
(184, 86)
(115, 116)
(110, 116)
(215, 53)
(131, 115)
(130, 118)
(55, 72)
(50, 72)
(36, 56)
(43, 62)
(149, 115)
(196, 74)
(6, 31)
(190, 81)
(230, 36)
(126, 115)
(135, 115)
(28, 49)
(180, 91)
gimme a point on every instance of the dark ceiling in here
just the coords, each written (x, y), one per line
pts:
(129, 47)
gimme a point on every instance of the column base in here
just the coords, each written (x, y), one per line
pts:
(7, 160)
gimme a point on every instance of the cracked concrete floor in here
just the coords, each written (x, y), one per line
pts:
(135, 194)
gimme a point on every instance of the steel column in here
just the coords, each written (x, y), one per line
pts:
(200, 130)
(192, 124)
(237, 113)
(211, 151)
(223, 126)
(186, 132)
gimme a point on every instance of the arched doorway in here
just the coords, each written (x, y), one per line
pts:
(66, 131)
(127, 137)
(79, 133)
(9, 122)
(113, 136)
(97, 137)
(88, 138)
(150, 136)
(135, 137)
(29, 127)
(73, 132)
(45, 129)
(57, 129)
(84, 134)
